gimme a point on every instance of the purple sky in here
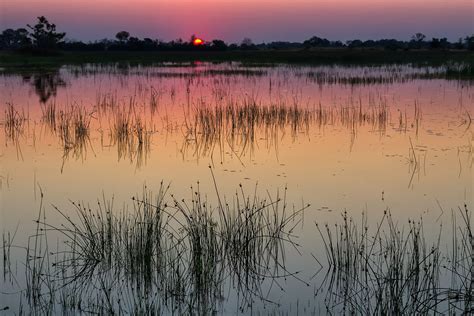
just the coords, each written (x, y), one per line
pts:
(261, 20)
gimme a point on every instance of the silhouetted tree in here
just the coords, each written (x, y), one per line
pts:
(417, 40)
(469, 40)
(316, 42)
(283, 45)
(391, 44)
(437, 43)
(418, 37)
(149, 44)
(219, 45)
(459, 44)
(354, 43)
(14, 39)
(122, 36)
(337, 44)
(247, 43)
(44, 34)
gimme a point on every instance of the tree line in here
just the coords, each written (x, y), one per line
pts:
(43, 37)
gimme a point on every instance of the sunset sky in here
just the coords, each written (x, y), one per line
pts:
(261, 20)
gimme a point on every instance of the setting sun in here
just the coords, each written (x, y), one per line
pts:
(198, 42)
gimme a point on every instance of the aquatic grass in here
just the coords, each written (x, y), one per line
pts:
(106, 102)
(121, 127)
(240, 124)
(386, 74)
(237, 125)
(460, 294)
(74, 126)
(49, 115)
(175, 255)
(130, 134)
(7, 243)
(206, 266)
(393, 270)
(376, 115)
(155, 99)
(81, 123)
(226, 124)
(14, 122)
(40, 288)
(173, 70)
(178, 255)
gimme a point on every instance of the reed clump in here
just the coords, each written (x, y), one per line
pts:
(14, 122)
(130, 134)
(241, 124)
(7, 243)
(49, 115)
(74, 130)
(394, 270)
(170, 254)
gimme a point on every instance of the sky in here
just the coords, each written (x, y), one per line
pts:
(260, 20)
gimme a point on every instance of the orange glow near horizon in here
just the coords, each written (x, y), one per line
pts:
(198, 42)
(260, 20)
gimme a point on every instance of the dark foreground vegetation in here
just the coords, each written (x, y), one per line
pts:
(393, 270)
(41, 45)
(165, 256)
(169, 255)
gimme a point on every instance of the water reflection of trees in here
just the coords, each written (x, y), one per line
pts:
(46, 84)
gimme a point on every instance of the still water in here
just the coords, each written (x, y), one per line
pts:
(340, 139)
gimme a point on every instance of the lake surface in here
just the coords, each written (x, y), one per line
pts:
(341, 139)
